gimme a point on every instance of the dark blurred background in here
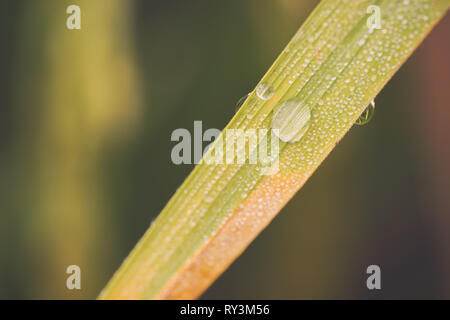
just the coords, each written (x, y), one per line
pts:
(85, 124)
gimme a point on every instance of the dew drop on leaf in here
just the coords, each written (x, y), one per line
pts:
(264, 91)
(292, 119)
(367, 114)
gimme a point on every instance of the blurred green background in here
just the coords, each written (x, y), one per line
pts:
(85, 124)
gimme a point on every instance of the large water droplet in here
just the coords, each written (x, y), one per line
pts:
(367, 114)
(264, 91)
(241, 101)
(292, 119)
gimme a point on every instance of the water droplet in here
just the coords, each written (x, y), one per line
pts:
(264, 91)
(292, 119)
(367, 114)
(208, 199)
(241, 101)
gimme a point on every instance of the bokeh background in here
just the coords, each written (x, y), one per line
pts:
(85, 124)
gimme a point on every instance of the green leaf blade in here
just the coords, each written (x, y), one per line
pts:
(336, 66)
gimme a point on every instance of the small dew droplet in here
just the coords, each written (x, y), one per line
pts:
(367, 114)
(292, 120)
(208, 199)
(264, 91)
(241, 101)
